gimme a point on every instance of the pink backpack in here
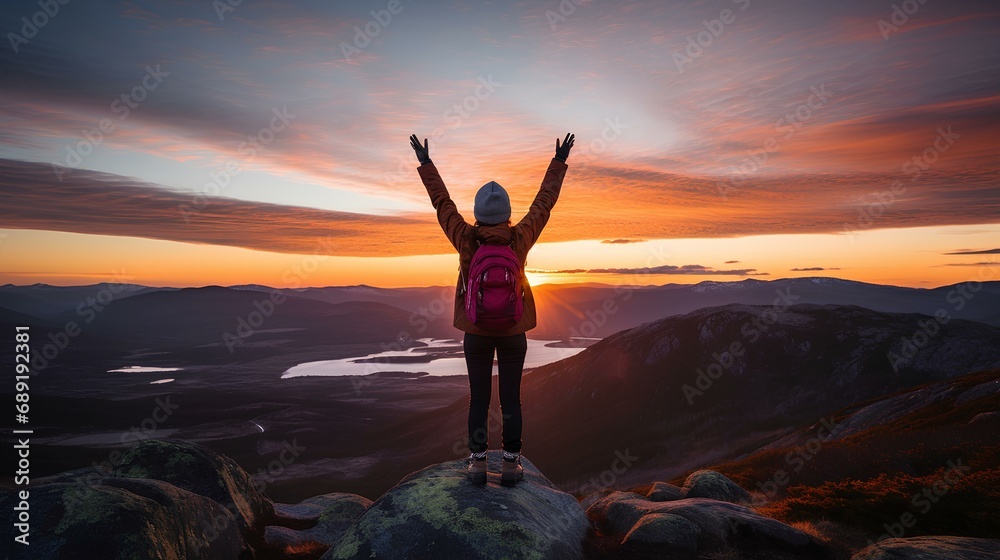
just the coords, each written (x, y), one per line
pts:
(494, 297)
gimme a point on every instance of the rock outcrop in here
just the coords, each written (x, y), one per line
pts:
(437, 513)
(122, 518)
(200, 470)
(176, 500)
(306, 530)
(173, 500)
(664, 492)
(714, 486)
(682, 524)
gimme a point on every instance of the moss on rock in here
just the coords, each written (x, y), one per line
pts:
(437, 512)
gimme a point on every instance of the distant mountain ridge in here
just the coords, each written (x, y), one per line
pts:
(589, 310)
(211, 324)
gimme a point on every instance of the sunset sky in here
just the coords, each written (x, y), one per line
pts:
(254, 141)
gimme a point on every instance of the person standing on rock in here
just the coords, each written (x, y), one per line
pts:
(494, 306)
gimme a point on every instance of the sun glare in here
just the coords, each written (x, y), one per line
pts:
(534, 278)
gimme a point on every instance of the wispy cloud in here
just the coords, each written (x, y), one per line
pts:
(691, 269)
(975, 252)
(102, 204)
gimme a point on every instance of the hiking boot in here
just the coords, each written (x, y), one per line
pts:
(477, 468)
(512, 470)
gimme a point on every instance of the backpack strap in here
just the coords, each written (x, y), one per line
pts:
(461, 276)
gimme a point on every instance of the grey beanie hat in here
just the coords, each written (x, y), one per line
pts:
(492, 204)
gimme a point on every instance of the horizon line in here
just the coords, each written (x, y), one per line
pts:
(568, 284)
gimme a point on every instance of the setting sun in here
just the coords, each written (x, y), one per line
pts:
(535, 279)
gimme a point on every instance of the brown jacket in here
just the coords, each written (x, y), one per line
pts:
(464, 236)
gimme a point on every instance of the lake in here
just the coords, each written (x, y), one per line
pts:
(439, 357)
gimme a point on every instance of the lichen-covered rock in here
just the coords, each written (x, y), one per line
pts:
(123, 519)
(200, 470)
(85, 475)
(715, 486)
(932, 548)
(313, 525)
(437, 513)
(669, 532)
(721, 524)
(665, 492)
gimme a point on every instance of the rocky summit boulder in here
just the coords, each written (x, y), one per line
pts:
(437, 513)
(714, 486)
(932, 548)
(308, 529)
(665, 492)
(691, 525)
(666, 531)
(200, 470)
(122, 518)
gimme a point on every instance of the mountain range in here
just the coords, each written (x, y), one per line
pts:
(691, 388)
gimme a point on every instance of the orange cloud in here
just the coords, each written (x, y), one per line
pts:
(595, 200)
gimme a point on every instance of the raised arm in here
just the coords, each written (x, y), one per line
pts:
(453, 224)
(534, 221)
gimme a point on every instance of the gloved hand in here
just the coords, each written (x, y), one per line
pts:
(562, 152)
(423, 154)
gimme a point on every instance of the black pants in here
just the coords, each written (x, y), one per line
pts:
(510, 351)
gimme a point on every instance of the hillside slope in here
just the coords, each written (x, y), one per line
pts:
(647, 391)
